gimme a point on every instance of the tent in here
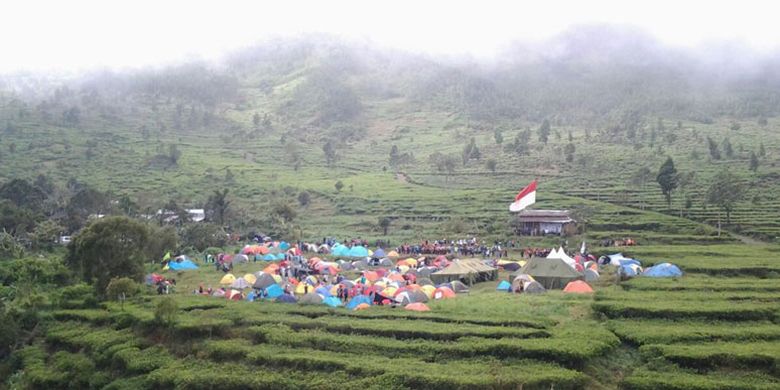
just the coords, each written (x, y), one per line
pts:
(521, 280)
(240, 284)
(154, 279)
(250, 278)
(324, 291)
(358, 251)
(355, 301)
(551, 273)
(392, 254)
(424, 282)
(227, 279)
(591, 275)
(332, 302)
(268, 257)
(304, 288)
(184, 265)
(234, 295)
(533, 288)
(362, 306)
(310, 299)
(458, 287)
(469, 270)
(663, 270)
(443, 292)
(379, 253)
(511, 266)
(239, 258)
(578, 287)
(504, 286)
(428, 290)
(273, 291)
(286, 298)
(417, 307)
(630, 270)
(411, 297)
(263, 280)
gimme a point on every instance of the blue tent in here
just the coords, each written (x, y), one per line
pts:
(332, 302)
(358, 300)
(629, 270)
(504, 286)
(339, 250)
(284, 246)
(324, 291)
(251, 296)
(269, 257)
(380, 253)
(663, 270)
(358, 251)
(286, 298)
(273, 291)
(625, 262)
(182, 266)
(280, 256)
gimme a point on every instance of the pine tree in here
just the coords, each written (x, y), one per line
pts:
(668, 179)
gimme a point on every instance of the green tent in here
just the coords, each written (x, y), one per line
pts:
(550, 273)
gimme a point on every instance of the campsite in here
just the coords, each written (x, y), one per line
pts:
(389, 195)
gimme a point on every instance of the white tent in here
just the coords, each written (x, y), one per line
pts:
(561, 254)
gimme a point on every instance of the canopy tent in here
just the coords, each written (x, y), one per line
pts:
(551, 273)
(470, 270)
(663, 270)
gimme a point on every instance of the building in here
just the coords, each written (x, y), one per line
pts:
(543, 222)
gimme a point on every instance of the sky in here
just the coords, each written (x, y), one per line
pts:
(56, 35)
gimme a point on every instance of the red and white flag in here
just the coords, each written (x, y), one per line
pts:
(525, 198)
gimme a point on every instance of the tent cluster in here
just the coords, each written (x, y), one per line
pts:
(408, 284)
(629, 267)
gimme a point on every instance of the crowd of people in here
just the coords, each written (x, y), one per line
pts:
(462, 247)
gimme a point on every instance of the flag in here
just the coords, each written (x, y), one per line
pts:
(167, 256)
(583, 250)
(525, 198)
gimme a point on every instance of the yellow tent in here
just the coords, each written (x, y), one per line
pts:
(392, 254)
(403, 268)
(389, 292)
(411, 261)
(370, 253)
(277, 278)
(300, 288)
(428, 290)
(227, 279)
(250, 278)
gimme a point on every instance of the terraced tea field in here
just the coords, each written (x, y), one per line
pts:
(706, 330)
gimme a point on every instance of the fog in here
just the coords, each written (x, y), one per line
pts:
(55, 36)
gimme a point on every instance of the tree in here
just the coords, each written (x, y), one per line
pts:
(667, 178)
(714, 151)
(203, 235)
(568, 151)
(256, 120)
(166, 311)
(753, 161)
(725, 191)
(71, 116)
(23, 194)
(640, 178)
(761, 150)
(330, 152)
(394, 156)
(45, 235)
(384, 223)
(470, 151)
(108, 248)
(339, 185)
(544, 131)
(498, 136)
(685, 181)
(293, 154)
(174, 154)
(120, 288)
(491, 165)
(443, 163)
(218, 206)
(304, 198)
(728, 150)
(520, 144)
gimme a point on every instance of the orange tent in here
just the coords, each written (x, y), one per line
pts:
(443, 293)
(418, 306)
(371, 275)
(395, 277)
(578, 287)
(271, 269)
(362, 306)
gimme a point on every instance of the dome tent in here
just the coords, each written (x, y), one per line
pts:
(663, 270)
(504, 286)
